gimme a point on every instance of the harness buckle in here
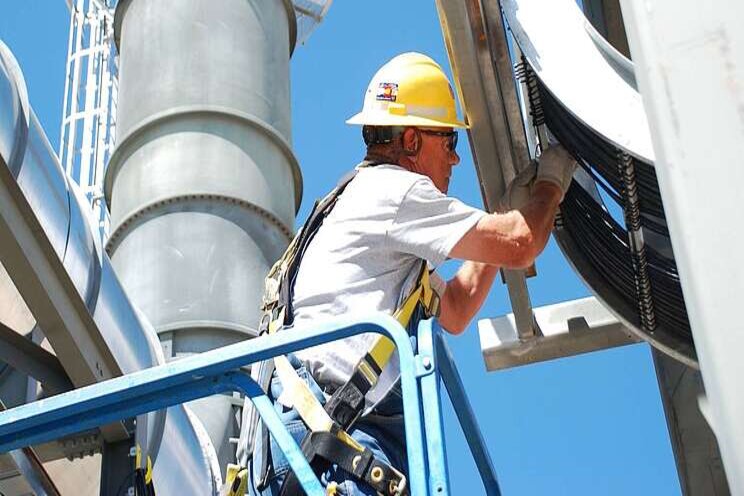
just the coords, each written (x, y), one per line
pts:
(263, 324)
(325, 448)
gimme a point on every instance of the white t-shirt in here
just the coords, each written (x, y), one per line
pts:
(367, 255)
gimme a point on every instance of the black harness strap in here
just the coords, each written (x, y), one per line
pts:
(320, 211)
(322, 449)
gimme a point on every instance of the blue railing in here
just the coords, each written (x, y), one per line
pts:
(218, 371)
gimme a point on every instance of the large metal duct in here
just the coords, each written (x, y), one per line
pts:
(48, 198)
(203, 186)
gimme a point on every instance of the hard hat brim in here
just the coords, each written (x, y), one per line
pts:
(362, 119)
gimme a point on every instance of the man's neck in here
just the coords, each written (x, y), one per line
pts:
(386, 158)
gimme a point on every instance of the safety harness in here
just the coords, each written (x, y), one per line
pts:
(328, 441)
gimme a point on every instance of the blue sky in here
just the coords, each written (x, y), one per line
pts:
(587, 425)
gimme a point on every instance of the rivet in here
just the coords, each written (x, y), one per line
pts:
(376, 474)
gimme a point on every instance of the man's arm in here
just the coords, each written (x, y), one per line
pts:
(465, 294)
(512, 239)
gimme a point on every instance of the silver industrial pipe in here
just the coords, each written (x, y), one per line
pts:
(185, 462)
(203, 186)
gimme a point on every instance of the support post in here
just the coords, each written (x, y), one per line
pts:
(116, 473)
(482, 69)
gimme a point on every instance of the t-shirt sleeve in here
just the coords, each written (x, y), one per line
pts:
(428, 223)
(438, 284)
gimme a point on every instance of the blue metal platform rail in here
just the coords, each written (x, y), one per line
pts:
(218, 371)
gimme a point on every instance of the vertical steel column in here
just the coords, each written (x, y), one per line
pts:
(482, 70)
(203, 186)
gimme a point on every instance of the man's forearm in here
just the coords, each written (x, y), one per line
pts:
(539, 213)
(465, 294)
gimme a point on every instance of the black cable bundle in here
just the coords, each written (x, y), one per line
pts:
(602, 240)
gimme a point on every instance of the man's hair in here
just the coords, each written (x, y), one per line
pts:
(381, 135)
(389, 150)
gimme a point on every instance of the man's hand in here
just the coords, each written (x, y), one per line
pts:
(556, 166)
(519, 191)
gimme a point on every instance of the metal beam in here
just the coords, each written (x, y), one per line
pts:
(479, 55)
(113, 470)
(50, 294)
(699, 464)
(568, 328)
(33, 360)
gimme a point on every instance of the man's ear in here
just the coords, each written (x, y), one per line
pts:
(411, 141)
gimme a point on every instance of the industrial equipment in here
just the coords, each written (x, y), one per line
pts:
(201, 187)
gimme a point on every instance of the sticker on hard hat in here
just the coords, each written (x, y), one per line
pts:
(387, 92)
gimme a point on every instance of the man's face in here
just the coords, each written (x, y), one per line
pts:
(437, 157)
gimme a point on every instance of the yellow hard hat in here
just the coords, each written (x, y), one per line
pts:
(410, 90)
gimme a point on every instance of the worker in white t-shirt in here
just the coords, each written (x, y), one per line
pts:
(394, 214)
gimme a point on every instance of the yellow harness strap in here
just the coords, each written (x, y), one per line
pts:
(297, 394)
(383, 347)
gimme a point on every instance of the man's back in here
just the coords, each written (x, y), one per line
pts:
(367, 254)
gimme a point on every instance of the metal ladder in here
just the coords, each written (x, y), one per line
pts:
(218, 371)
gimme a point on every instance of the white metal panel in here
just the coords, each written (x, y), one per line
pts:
(689, 58)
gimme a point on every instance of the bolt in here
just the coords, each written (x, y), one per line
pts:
(426, 362)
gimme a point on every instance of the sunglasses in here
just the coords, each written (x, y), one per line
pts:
(452, 135)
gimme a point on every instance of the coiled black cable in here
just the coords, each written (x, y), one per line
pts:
(603, 240)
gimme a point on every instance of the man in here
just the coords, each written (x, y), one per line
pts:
(394, 216)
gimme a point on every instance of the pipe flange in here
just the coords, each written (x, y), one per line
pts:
(155, 208)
